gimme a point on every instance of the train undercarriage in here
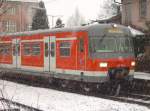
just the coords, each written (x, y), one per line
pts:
(111, 87)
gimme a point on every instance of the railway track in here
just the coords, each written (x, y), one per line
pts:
(15, 106)
(131, 98)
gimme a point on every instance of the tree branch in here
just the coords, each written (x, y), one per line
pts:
(4, 7)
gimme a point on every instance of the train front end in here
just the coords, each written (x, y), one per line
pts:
(111, 52)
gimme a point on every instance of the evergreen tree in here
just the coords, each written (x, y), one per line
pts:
(40, 19)
(59, 23)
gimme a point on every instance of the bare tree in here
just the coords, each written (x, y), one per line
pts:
(2, 2)
(3, 7)
(76, 19)
(108, 9)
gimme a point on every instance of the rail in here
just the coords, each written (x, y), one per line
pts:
(18, 105)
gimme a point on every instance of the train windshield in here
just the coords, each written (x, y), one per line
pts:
(111, 44)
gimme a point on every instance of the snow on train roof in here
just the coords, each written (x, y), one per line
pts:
(90, 28)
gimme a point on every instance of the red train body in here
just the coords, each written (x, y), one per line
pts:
(96, 53)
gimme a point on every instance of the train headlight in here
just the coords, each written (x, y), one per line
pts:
(133, 63)
(114, 25)
(103, 64)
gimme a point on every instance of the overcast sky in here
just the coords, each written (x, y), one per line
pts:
(65, 8)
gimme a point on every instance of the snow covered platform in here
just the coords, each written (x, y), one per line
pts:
(142, 75)
(53, 100)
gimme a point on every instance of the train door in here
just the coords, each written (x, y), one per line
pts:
(52, 53)
(46, 54)
(81, 54)
(16, 53)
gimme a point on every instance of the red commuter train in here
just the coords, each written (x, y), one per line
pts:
(94, 53)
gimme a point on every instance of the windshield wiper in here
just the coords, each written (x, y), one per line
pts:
(102, 38)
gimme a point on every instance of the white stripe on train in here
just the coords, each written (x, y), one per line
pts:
(64, 71)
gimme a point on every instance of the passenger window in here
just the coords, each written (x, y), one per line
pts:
(36, 49)
(52, 49)
(65, 49)
(46, 49)
(5, 49)
(27, 49)
(81, 45)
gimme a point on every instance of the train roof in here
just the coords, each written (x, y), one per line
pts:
(96, 29)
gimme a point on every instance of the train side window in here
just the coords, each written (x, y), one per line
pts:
(36, 49)
(8, 49)
(52, 49)
(65, 49)
(5, 49)
(81, 45)
(27, 49)
(46, 49)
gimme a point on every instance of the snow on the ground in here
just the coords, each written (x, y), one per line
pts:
(53, 100)
(142, 75)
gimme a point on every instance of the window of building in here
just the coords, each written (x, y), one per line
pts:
(36, 49)
(128, 11)
(30, 11)
(143, 8)
(128, 1)
(10, 26)
(65, 49)
(5, 49)
(11, 11)
(29, 27)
